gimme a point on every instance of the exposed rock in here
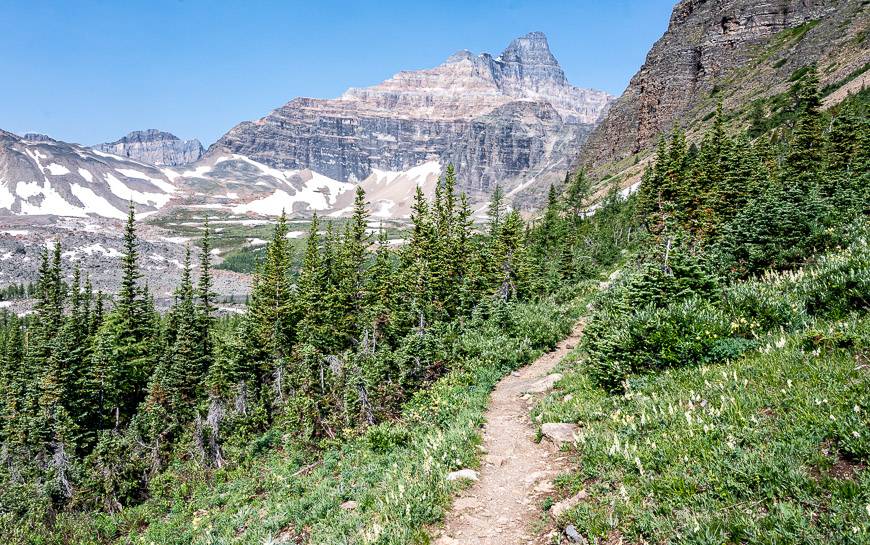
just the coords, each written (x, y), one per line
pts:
(349, 505)
(37, 137)
(733, 50)
(544, 487)
(573, 535)
(501, 119)
(468, 474)
(560, 433)
(543, 384)
(560, 508)
(155, 147)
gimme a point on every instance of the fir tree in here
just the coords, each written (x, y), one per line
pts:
(125, 346)
(496, 210)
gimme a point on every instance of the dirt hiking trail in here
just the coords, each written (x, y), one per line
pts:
(502, 507)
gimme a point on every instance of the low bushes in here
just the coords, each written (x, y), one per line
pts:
(637, 329)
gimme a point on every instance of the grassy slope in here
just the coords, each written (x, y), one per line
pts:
(395, 471)
(770, 448)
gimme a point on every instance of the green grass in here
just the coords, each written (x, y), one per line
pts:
(770, 448)
(280, 493)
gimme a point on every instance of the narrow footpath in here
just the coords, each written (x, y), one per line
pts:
(503, 507)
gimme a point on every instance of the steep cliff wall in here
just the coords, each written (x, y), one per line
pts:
(730, 50)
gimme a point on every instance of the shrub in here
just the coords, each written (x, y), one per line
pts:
(839, 284)
(689, 332)
(757, 307)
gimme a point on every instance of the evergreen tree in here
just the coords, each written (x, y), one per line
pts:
(270, 322)
(125, 346)
(496, 210)
(578, 192)
(177, 378)
(205, 298)
(352, 270)
(313, 328)
(804, 159)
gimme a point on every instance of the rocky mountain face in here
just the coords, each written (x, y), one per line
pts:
(42, 176)
(735, 51)
(155, 148)
(496, 118)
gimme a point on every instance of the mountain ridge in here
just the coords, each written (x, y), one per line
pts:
(432, 114)
(155, 147)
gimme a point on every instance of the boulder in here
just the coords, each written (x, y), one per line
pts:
(560, 433)
(573, 535)
(468, 474)
(560, 508)
(543, 384)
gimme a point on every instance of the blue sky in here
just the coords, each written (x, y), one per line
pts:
(89, 71)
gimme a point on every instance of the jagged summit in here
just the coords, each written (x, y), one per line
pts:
(146, 136)
(531, 49)
(155, 147)
(501, 119)
(37, 137)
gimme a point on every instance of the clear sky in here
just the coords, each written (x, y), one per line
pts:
(90, 71)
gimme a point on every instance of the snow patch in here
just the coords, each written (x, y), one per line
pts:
(384, 208)
(93, 249)
(86, 174)
(265, 169)
(318, 192)
(131, 173)
(52, 202)
(420, 174)
(118, 188)
(7, 199)
(57, 170)
(96, 204)
(198, 172)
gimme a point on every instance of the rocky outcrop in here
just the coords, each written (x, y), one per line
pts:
(155, 148)
(729, 50)
(498, 119)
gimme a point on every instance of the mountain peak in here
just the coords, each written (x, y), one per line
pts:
(38, 137)
(531, 48)
(155, 147)
(148, 135)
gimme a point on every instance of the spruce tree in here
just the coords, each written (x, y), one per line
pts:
(270, 322)
(205, 297)
(496, 210)
(313, 328)
(125, 346)
(353, 259)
